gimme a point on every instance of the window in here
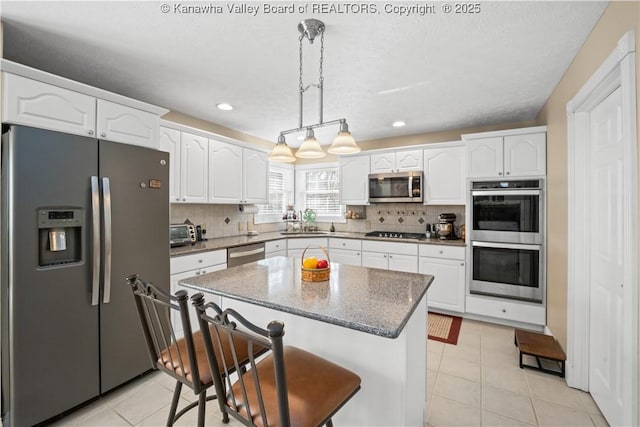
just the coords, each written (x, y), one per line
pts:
(280, 195)
(318, 188)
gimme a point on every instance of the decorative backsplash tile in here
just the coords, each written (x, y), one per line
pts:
(227, 220)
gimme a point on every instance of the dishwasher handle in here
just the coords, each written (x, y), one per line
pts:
(245, 253)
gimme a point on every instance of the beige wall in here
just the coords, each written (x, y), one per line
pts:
(176, 117)
(618, 18)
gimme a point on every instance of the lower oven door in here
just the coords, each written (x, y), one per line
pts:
(508, 270)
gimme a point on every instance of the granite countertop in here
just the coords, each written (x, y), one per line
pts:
(370, 300)
(232, 241)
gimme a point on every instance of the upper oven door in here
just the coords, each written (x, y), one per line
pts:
(395, 187)
(510, 216)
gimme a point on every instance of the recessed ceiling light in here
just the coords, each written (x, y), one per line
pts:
(224, 106)
(398, 124)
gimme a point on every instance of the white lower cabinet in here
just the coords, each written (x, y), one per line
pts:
(188, 266)
(447, 266)
(390, 256)
(296, 247)
(346, 251)
(275, 248)
(499, 308)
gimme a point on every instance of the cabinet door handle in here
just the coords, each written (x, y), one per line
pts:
(462, 264)
(198, 273)
(103, 134)
(508, 173)
(204, 271)
(499, 173)
(504, 310)
(441, 252)
(90, 132)
(200, 261)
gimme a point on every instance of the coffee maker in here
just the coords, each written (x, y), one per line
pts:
(446, 230)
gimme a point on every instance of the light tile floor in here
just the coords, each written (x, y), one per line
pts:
(479, 383)
(475, 383)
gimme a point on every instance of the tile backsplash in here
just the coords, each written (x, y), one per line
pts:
(228, 220)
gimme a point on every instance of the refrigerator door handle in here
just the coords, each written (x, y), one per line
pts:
(95, 226)
(106, 206)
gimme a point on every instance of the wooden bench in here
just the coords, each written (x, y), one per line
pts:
(540, 346)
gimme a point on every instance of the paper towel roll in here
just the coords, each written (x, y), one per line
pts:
(250, 209)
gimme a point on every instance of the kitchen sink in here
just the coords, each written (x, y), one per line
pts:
(300, 233)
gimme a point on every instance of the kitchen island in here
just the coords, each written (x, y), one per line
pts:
(371, 321)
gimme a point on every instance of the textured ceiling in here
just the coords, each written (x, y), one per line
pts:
(436, 72)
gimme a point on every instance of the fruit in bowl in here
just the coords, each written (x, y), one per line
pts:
(310, 263)
(323, 263)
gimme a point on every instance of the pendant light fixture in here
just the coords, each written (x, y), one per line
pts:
(310, 148)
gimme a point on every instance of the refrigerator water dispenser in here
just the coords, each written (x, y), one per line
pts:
(60, 232)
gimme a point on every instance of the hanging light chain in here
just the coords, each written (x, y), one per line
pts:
(321, 56)
(300, 51)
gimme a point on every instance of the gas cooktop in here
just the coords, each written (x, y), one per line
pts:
(413, 236)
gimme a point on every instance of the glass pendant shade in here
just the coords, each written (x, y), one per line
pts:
(310, 148)
(281, 152)
(344, 143)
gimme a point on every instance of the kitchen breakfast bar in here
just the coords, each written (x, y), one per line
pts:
(370, 321)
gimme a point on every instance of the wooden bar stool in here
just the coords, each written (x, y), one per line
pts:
(288, 387)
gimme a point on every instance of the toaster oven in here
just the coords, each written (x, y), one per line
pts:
(182, 234)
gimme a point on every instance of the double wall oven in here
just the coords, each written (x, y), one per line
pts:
(507, 239)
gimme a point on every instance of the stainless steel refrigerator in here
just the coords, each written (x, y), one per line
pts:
(78, 215)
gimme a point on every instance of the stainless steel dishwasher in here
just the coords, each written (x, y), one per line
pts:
(243, 254)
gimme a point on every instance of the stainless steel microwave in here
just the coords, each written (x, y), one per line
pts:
(396, 187)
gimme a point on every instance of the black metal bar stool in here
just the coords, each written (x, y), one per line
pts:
(185, 359)
(288, 387)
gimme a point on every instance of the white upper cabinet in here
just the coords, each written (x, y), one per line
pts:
(525, 155)
(399, 161)
(517, 153)
(169, 141)
(485, 158)
(255, 176)
(33, 103)
(236, 174)
(62, 105)
(225, 172)
(119, 123)
(194, 165)
(445, 172)
(354, 180)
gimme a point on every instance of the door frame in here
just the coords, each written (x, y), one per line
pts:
(618, 70)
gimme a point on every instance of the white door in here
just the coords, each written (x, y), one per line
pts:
(170, 142)
(407, 263)
(383, 163)
(354, 180)
(375, 260)
(525, 155)
(194, 165)
(409, 161)
(606, 373)
(445, 176)
(485, 158)
(448, 288)
(255, 167)
(225, 172)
